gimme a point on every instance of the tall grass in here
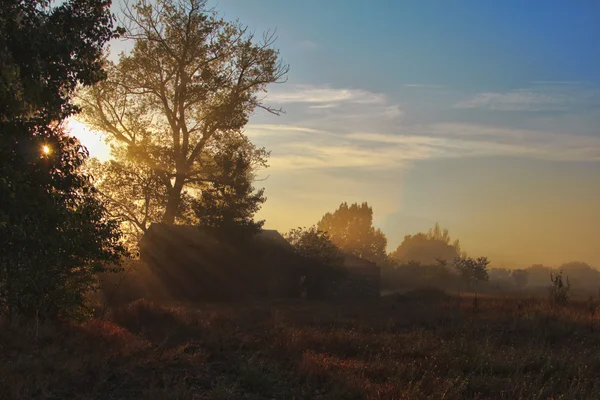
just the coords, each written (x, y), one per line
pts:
(407, 347)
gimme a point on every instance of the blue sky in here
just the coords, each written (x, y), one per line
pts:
(482, 115)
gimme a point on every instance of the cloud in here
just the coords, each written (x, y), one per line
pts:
(325, 94)
(308, 45)
(310, 149)
(518, 100)
(353, 129)
(541, 96)
(272, 129)
(424, 86)
(319, 106)
(560, 82)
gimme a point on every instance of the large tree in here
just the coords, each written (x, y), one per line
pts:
(190, 83)
(427, 248)
(54, 229)
(350, 227)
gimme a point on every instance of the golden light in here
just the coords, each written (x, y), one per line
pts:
(46, 149)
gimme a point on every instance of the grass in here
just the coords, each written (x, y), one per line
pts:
(398, 348)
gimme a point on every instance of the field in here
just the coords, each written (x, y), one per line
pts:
(409, 347)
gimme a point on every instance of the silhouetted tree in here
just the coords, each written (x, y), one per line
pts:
(472, 270)
(325, 257)
(190, 83)
(315, 245)
(582, 276)
(520, 277)
(427, 248)
(54, 231)
(538, 274)
(229, 202)
(350, 227)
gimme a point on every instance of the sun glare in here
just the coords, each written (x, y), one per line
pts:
(46, 149)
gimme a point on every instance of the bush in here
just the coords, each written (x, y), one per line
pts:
(559, 291)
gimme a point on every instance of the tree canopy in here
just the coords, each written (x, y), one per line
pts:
(54, 229)
(315, 245)
(228, 203)
(350, 227)
(169, 106)
(427, 248)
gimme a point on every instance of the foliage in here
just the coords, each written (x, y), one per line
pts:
(134, 196)
(559, 291)
(228, 204)
(538, 274)
(427, 248)
(326, 259)
(414, 275)
(53, 227)
(315, 245)
(350, 227)
(188, 86)
(472, 270)
(520, 277)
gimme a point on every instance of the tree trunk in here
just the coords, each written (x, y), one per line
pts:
(173, 202)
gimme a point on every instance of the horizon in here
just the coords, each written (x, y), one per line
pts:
(434, 114)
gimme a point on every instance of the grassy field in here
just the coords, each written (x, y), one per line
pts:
(395, 348)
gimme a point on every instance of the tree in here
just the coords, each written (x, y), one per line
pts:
(135, 195)
(520, 277)
(538, 274)
(472, 270)
(315, 245)
(190, 83)
(228, 204)
(54, 229)
(558, 292)
(427, 248)
(351, 229)
(582, 275)
(327, 259)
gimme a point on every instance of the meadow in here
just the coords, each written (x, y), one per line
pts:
(423, 345)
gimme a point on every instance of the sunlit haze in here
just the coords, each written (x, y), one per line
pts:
(482, 116)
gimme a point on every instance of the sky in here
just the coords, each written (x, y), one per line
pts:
(483, 116)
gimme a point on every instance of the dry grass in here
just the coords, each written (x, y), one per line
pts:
(397, 348)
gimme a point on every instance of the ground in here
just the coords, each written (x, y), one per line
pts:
(404, 347)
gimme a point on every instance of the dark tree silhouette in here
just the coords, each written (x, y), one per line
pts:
(520, 277)
(228, 203)
(315, 245)
(53, 228)
(472, 270)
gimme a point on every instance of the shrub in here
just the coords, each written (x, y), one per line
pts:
(472, 270)
(559, 291)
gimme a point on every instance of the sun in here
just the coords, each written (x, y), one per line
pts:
(45, 149)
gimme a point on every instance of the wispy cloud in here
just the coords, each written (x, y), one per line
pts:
(308, 45)
(318, 106)
(310, 149)
(350, 128)
(570, 83)
(517, 100)
(325, 94)
(424, 86)
(271, 129)
(540, 96)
